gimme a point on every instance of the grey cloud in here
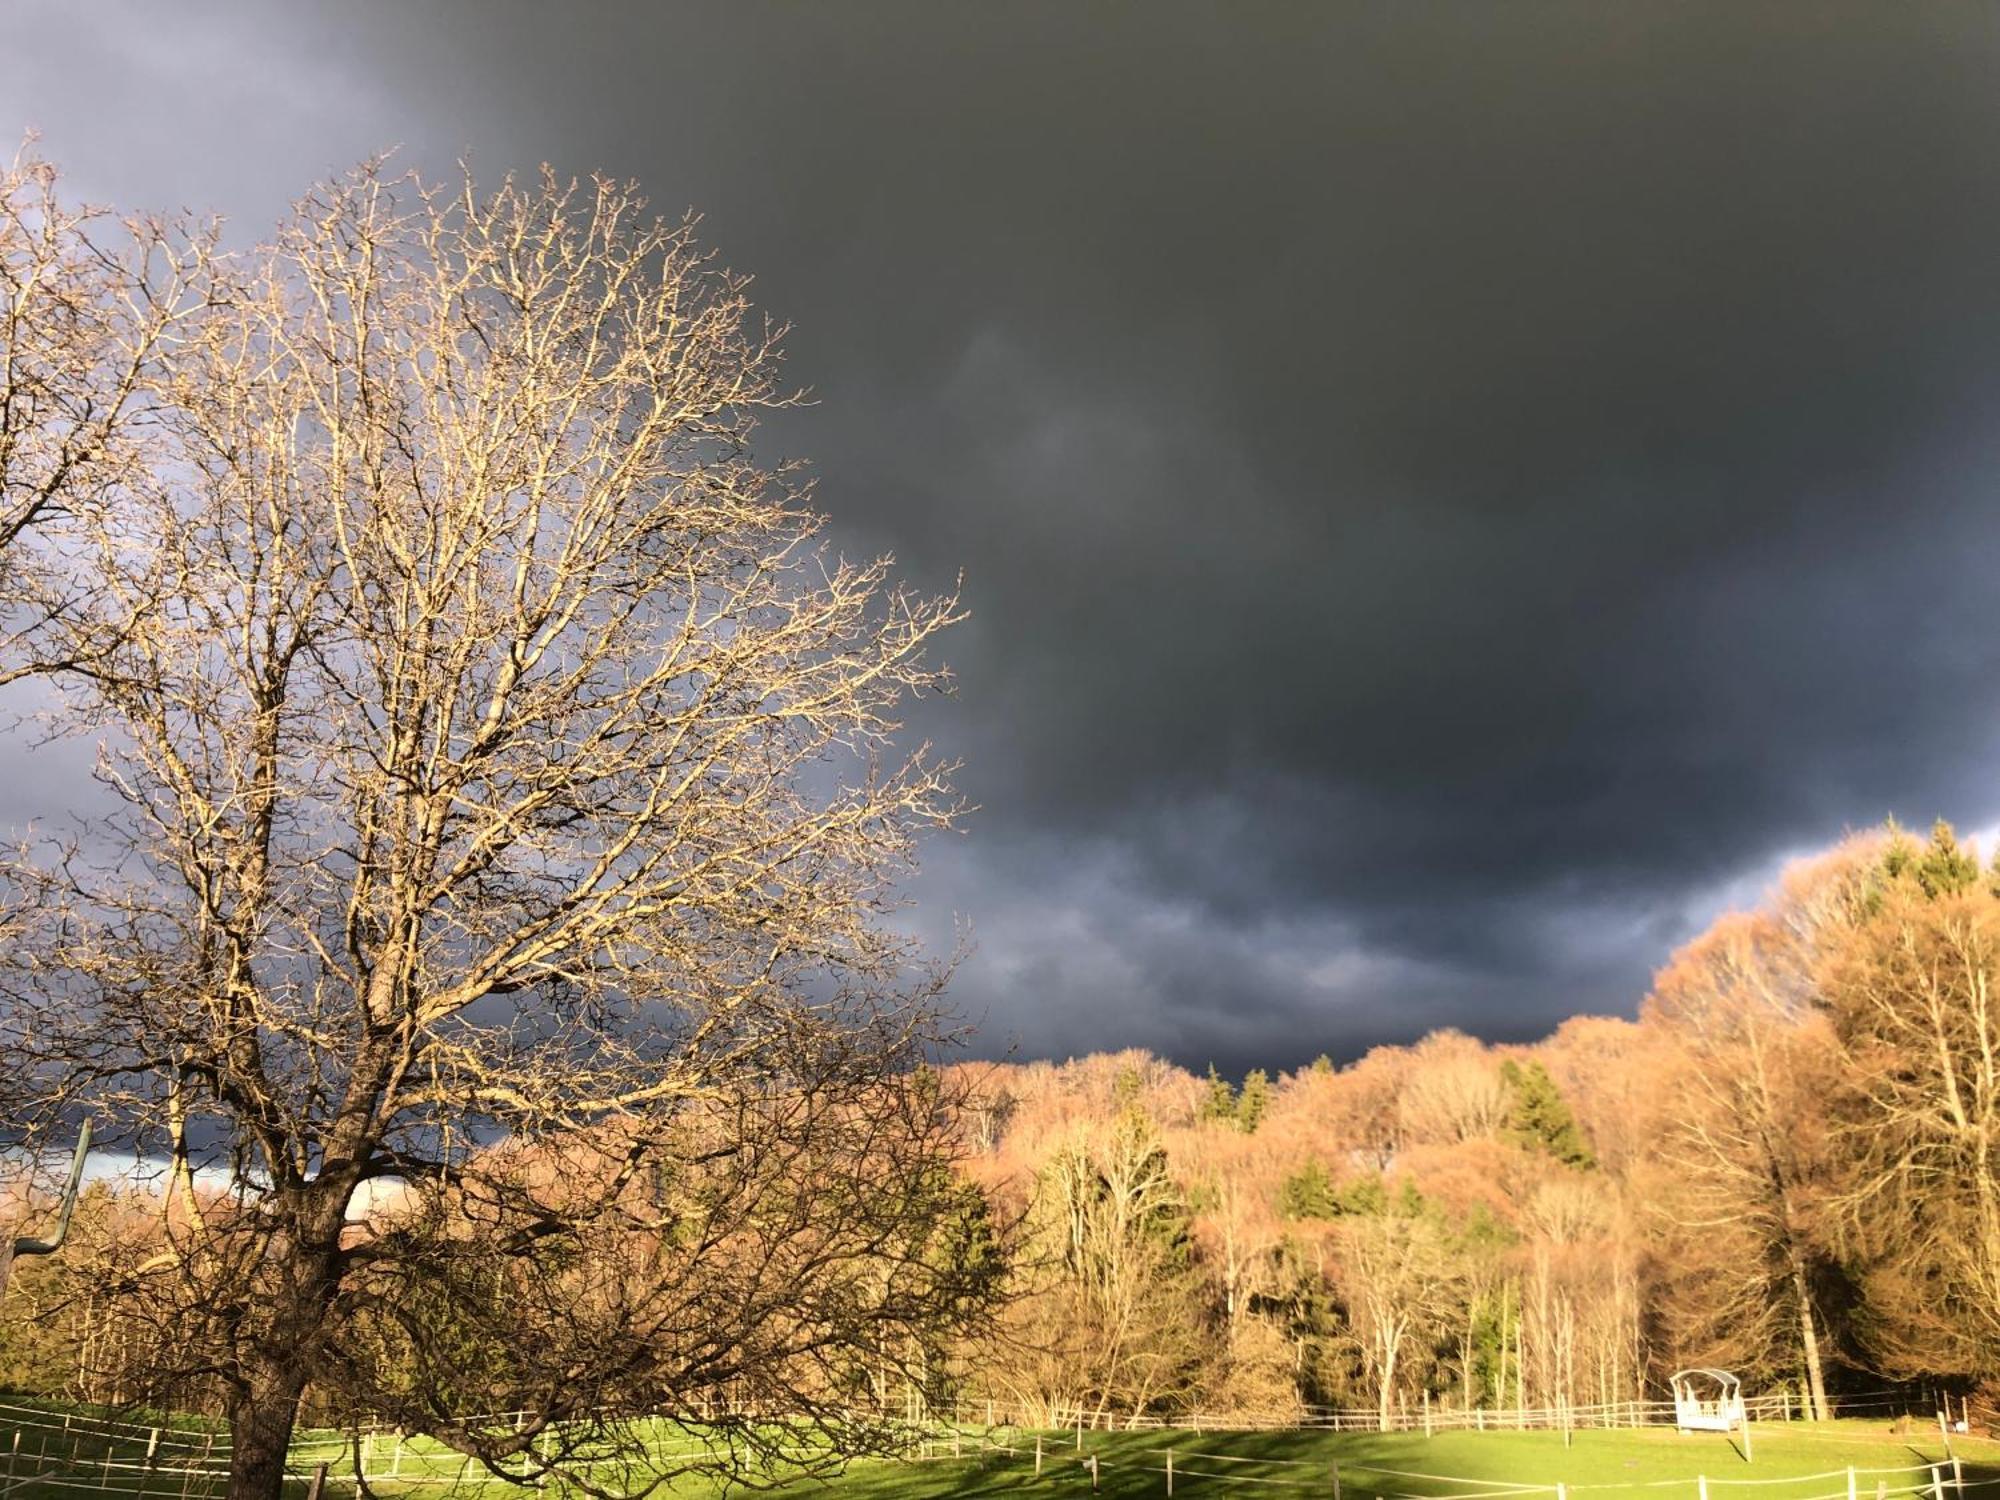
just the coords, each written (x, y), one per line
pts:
(1443, 491)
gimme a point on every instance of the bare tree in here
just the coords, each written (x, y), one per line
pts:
(1402, 1286)
(508, 807)
(1109, 1317)
(1913, 999)
(1746, 1129)
(1453, 1091)
(88, 305)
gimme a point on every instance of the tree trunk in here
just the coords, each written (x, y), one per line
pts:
(1809, 1342)
(277, 1366)
(1520, 1370)
(261, 1416)
(1388, 1381)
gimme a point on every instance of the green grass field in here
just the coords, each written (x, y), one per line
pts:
(1649, 1464)
(1792, 1461)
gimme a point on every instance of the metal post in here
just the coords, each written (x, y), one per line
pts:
(11, 1247)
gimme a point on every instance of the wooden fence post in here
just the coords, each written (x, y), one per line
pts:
(1038, 1455)
(1336, 1482)
(1170, 1471)
(318, 1482)
(1850, 1483)
(1093, 1473)
(1937, 1482)
(1701, 1482)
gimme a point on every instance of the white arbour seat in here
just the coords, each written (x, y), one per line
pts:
(1707, 1401)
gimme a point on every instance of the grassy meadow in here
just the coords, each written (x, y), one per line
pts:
(1789, 1461)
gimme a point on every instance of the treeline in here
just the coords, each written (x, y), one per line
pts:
(1788, 1165)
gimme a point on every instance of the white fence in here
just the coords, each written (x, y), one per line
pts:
(52, 1449)
(1177, 1465)
(1780, 1406)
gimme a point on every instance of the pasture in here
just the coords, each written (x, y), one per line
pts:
(52, 1454)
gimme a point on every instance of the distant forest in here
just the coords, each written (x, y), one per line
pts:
(1785, 1166)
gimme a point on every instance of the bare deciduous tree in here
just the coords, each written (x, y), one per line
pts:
(1402, 1286)
(88, 304)
(1108, 1318)
(1913, 999)
(1745, 1129)
(508, 806)
(1453, 1091)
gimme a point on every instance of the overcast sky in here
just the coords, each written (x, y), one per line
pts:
(1449, 496)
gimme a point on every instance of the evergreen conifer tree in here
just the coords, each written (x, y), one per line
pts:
(1254, 1101)
(1220, 1101)
(1541, 1119)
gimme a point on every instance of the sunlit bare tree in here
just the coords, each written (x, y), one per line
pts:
(507, 811)
(89, 303)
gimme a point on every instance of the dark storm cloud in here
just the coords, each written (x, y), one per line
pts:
(1448, 494)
